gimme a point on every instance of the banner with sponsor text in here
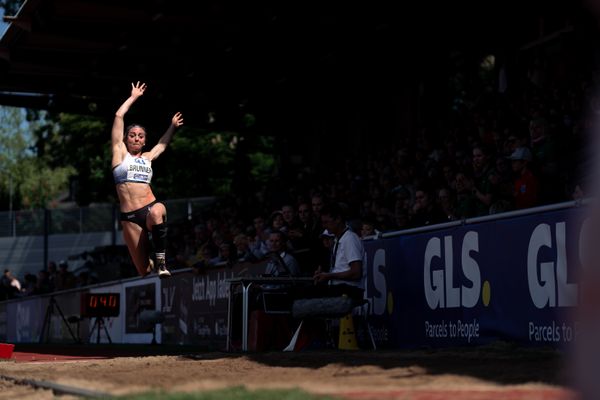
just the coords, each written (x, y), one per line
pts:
(509, 279)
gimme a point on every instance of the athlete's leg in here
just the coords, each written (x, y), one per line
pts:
(156, 224)
(137, 243)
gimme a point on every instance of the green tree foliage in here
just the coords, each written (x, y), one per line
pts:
(201, 163)
(26, 180)
(41, 186)
(13, 149)
(262, 161)
(83, 143)
(65, 149)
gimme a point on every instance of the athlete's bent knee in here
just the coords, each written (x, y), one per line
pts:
(157, 213)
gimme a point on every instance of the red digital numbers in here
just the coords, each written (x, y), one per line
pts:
(100, 304)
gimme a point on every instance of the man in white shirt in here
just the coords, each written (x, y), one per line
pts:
(345, 275)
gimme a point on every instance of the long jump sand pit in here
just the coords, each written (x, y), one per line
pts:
(499, 371)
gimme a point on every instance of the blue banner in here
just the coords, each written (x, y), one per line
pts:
(513, 279)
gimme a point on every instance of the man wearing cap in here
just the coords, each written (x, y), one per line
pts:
(324, 254)
(526, 187)
(346, 269)
(342, 280)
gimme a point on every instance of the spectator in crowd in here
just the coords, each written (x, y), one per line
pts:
(10, 285)
(345, 275)
(271, 331)
(29, 285)
(544, 162)
(52, 272)
(240, 241)
(227, 254)
(43, 285)
(448, 175)
(301, 235)
(206, 257)
(5, 289)
(317, 202)
(367, 228)
(402, 198)
(293, 225)
(325, 252)
(258, 244)
(446, 202)
(526, 186)
(401, 219)
(65, 279)
(276, 222)
(483, 169)
(514, 141)
(281, 262)
(501, 180)
(578, 193)
(306, 237)
(425, 210)
(289, 216)
(465, 199)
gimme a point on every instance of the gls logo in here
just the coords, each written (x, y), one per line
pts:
(439, 283)
(548, 280)
(139, 161)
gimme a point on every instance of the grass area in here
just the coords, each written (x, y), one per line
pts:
(234, 393)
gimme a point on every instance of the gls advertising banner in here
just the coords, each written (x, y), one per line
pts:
(512, 279)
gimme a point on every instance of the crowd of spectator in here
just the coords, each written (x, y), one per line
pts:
(55, 277)
(499, 154)
(499, 150)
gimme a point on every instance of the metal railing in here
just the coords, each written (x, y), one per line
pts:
(97, 218)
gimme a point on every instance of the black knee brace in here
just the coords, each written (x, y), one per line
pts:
(159, 238)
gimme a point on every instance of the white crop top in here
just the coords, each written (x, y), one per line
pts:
(133, 169)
